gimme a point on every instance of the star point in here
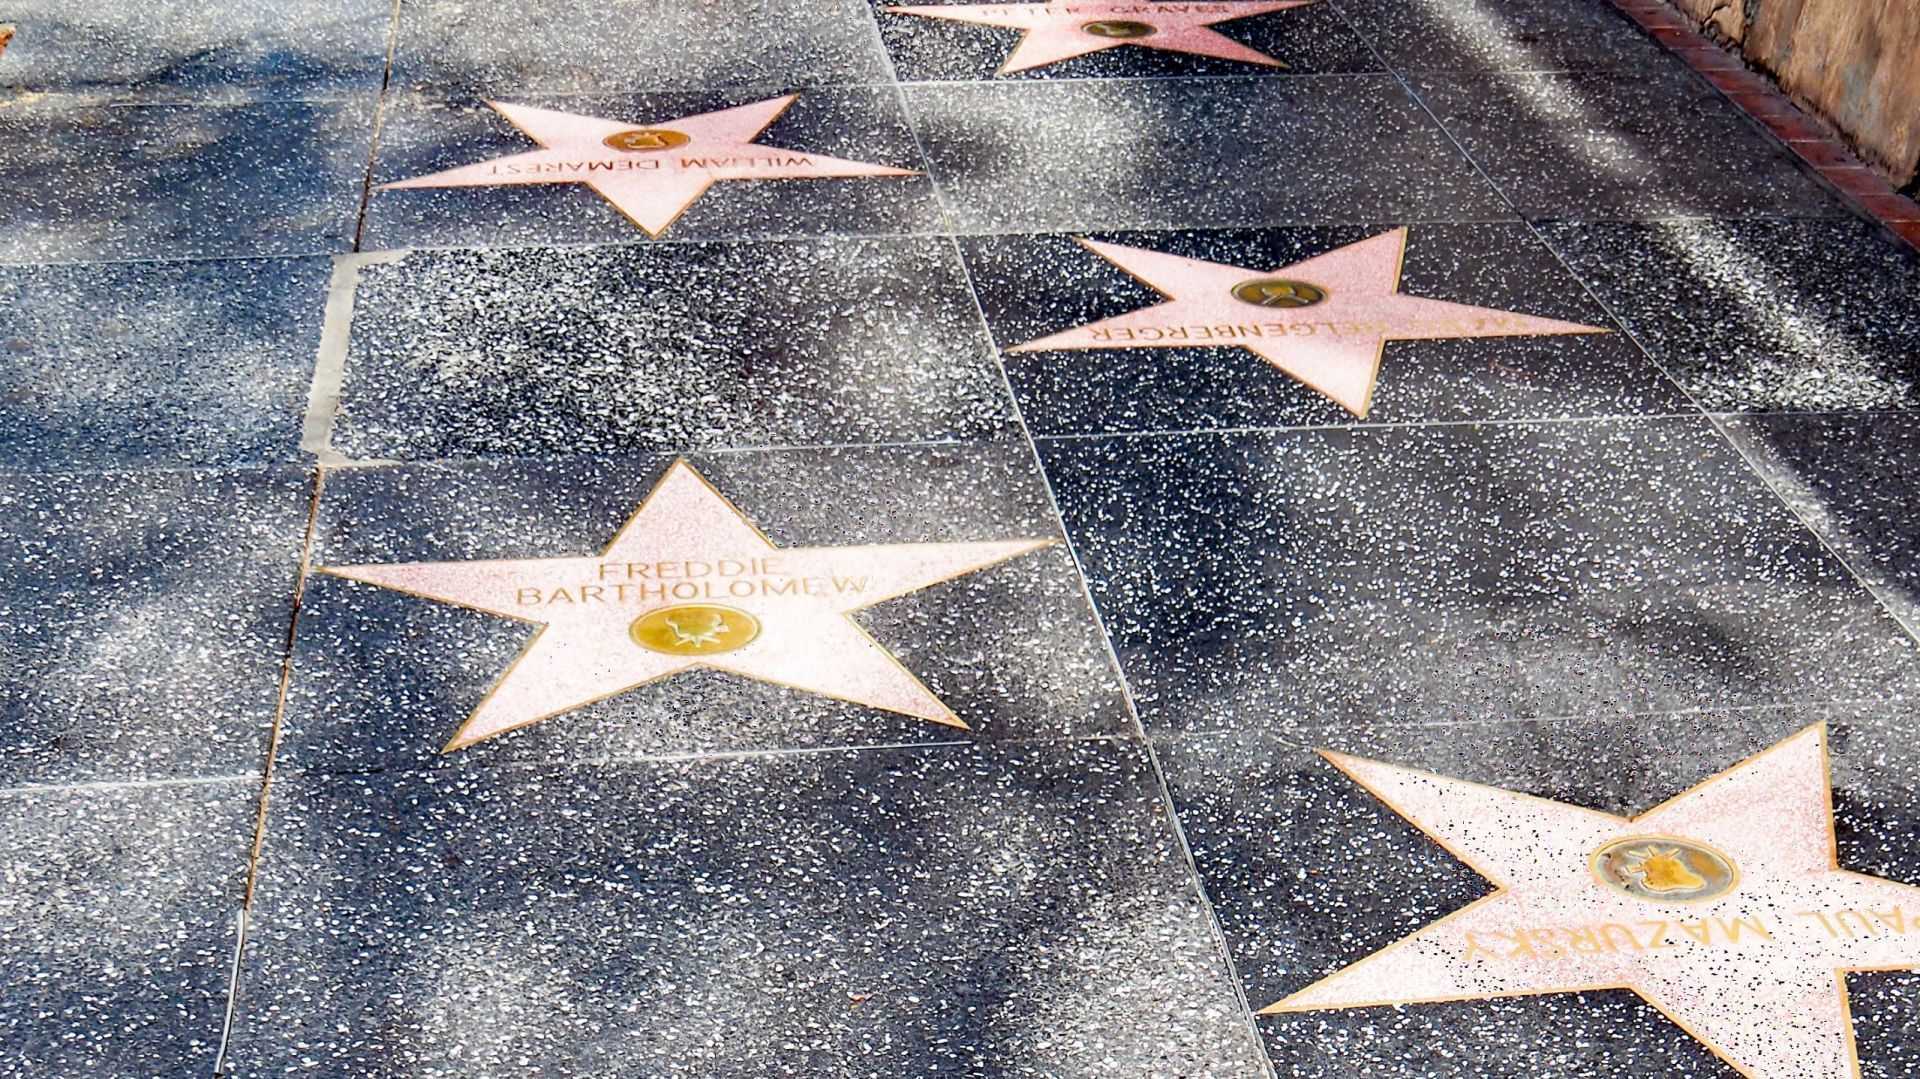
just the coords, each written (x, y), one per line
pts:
(688, 582)
(1723, 907)
(650, 173)
(1325, 320)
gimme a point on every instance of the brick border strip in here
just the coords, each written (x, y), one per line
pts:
(1763, 101)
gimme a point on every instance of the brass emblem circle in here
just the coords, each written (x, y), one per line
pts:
(1275, 292)
(694, 629)
(1122, 28)
(1663, 869)
(643, 140)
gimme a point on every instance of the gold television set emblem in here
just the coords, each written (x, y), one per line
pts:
(1121, 28)
(644, 140)
(1664, 869)
(1276, 292)
(694, 629)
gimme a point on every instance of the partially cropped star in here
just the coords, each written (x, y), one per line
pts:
(649, 172)
(1725, 908)
(1325, 321)
(689, 582)
(1062, 31)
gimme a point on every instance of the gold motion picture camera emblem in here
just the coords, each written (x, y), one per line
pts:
(1276, 292)
(694, 629)
(643, 140)
(1121, 28)
(1663, 869)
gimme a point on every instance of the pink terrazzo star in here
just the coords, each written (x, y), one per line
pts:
(1061, 31)
(689, 582)
(650, 172)
(1724, 908)
(1325, 321)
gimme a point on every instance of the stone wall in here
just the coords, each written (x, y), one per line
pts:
(1853, 63)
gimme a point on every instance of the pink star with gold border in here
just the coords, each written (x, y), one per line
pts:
(1725, 908)
(1062, 31)
(689, 582)
(1325, 320)
(650, 172)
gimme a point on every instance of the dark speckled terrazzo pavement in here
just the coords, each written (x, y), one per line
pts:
(1600, 568)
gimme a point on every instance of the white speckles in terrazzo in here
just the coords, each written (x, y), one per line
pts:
(825, 914)
(157, 363)
(1511, 36)
(180, 181)
(1190, 153)
(1851, 478)
(1620, 144)
(1762, 316)
(143, 621)
(203, 50)
(464, 48)
(1419, 574)
(118, 910)
(684, 346)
